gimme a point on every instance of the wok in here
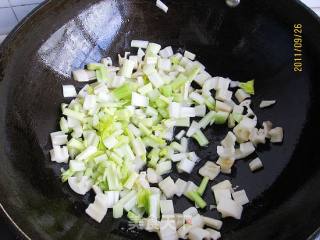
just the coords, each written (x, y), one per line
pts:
(253, 40)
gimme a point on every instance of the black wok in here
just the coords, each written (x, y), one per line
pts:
(253, 40)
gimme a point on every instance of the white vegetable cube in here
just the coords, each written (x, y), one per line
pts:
(153, 49)
(198, 234)
(214, 235)
(190, 212)
(255, 165)
(110, 142)
(241, 95)
(69, 91)
(247, 148)
(164, 168)
(211, 222)
(151, 60)
(276, 135)
(90, 102)
(152, 176)
(221, 194)
(174, 110)
(229, 140)
(168, 187)
(127, 68)
(77, 166)
(59, 154)
(223, 107)
(166, 52)
(230, 208)
(155, 79)
(58, 138)
(167, 230)
(240, 197)
(139, 100)
(193, 157)
(226, 184)
(139, 44)
(189, 55)
(181, 186)
(210, 170)
(80, 185)
(166, 207)
(187, 112)
(200, 110)
(223, 83)
(178, 157)
(83, 75)
(223, 94)
(185, 165)
(265, 103)
(164, 64)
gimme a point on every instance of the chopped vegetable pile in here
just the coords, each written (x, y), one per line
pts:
(118, 138)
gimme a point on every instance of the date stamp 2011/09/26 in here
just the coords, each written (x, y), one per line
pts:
(297, 47)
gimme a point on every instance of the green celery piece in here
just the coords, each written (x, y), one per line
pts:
(221, 117)
(104, 186)
(163, 112)
(123, 92)
(102, 74)
(193, 73)
(158, 140)
(112, 178)
(160, 103)
(203, 186)
(248, 87)
(175, 60)
(237, 117)
(143, 199)
(201, 138)
(94, 66)
(197, 199)
(166, 90)
(66, 174)
(144, 129)
(179, 81)
(177, 97)
(134, 217)
(210, 104)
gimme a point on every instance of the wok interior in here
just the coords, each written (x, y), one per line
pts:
(250, 41)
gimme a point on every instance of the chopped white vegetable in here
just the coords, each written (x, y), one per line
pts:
(168, 187)
(211, 222)
(265, 103)
(80, 185)
(83, 75)
(255, 165)
(164, 168)
(229, 208)
(58, 138)
(180, 134)
(162, 6)
(241, 95)
(98, 209)
(198, 234)
(69, 91)
(240, 197)
(221, 194)
(181, 186)
(152, 176)
(226, 184)
(139, 44)
(210, 170)
(166, 52)
(276, 135)
(189, 55)
(166, 207)
(185, 165)
(139, 100)
(214, 235)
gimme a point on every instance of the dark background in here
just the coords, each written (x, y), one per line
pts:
(6, 232)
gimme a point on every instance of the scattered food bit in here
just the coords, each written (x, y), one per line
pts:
(265, 103)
